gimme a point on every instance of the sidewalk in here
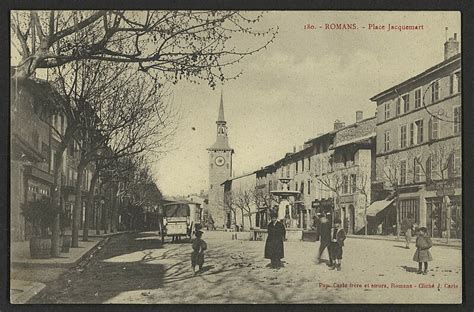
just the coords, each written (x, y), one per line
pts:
(28, 276)
(457, 243)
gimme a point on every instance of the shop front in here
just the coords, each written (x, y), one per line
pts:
(438, 214)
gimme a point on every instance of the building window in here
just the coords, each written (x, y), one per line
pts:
(387, 110)
(403, 172)
(412, 134)
(419, 131)
(454, 83)
(309, 164)
(53, 159)
(302, 187)
(398, 107)
(270, 186)
(345, 184)
(435, 91)
(435, 167)
(457, 119)
(302, 165)
(296, 166)
(417, 171)
(387, 141)
(406, 102)
(35, 139)
(457, 163)
(403, 136)
(418, 98)
(353, 183)
(309, 187)
(433, 125)
(458, 81)
(62, 125)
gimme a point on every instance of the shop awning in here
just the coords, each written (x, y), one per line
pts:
(378, 206)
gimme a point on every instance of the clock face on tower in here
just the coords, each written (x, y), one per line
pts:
(220, 161)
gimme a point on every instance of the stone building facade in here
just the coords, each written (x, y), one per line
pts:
(419, 145)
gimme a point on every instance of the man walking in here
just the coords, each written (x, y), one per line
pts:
(324, 235)
(407, 227)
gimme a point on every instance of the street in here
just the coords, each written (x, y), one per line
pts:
(136, 268)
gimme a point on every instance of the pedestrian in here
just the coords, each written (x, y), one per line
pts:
(324, 236)
(197, 256)
(408, 225)
(274, 243)
(422, 253)
(338, 235)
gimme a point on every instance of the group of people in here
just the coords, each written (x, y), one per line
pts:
(330, 236)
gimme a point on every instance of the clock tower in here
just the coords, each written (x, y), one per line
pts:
(220, 169)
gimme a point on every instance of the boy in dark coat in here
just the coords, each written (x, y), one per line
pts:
(422, 253)
(338, 235)
(324, 235)
(197, 256)
(274, 243)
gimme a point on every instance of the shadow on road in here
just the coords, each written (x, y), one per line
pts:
(398, 246)
(409, 269)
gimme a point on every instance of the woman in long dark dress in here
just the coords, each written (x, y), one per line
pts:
(274, 244)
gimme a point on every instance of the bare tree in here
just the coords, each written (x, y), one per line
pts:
(437, 165)
(362, 186)
(245, 201)
(195, 45)
(333, 182)
(391, 179)
(111, 107)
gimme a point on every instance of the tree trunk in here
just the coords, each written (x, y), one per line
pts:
(113, 221)
(56, 201)
(76, 212)
(90, 206)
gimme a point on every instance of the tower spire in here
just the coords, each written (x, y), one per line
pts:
(221, 109)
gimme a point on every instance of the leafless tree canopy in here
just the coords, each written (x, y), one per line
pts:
(195, 45)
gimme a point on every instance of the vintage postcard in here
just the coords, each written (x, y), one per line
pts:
(192, 157)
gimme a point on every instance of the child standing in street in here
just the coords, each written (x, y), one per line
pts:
(338, 235)
(197, 256)
(422, 253)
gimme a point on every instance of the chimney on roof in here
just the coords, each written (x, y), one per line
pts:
(338, 124)
(359, 115)
(294, 148)
(451, 47)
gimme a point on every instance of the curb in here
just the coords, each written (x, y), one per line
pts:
(53, 264)
(400, 240)
(31, 291)
(66, 265)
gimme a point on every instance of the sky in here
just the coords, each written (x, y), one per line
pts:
(297, 87)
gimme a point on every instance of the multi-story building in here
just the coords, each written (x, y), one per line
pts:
(331, 172)
(36, 129)
(32, 103)
(344, 168)
(419, 145)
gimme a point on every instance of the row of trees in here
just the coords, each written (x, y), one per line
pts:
(112, 68)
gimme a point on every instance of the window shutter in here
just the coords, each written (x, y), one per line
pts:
(451, 166)
(428, 169)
